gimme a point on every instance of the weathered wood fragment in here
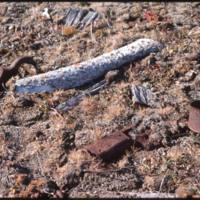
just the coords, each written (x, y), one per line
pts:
(73, 101)
(79, 74)
(79, 18)
(141, 95)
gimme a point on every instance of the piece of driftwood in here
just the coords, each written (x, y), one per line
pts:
(73, 101)
(79, 18)
(79, 74)
(94, 89)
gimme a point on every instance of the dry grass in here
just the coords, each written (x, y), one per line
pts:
(142, 111)
(113, 111)
(175, 153)
(165, 111)
(114, 41)
(183, 191)
(90, 106)
(77, 157)
(44, 154)
(8, 106)
(58, 120)
(122, 162)
(149, 181)
(97, 133)
(31, 190)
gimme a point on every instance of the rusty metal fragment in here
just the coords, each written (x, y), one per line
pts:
(142, 139)
(194, 116)
(7, 72)
(110, 147)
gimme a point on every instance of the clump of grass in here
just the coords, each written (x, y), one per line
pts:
(58, 120)
(166, 110)
(90, 106)
(175, 153)
(113, 111)
(77, 157)
(122, 162)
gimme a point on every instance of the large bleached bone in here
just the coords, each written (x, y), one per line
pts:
(79, 74)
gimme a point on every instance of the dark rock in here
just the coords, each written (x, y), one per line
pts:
(51, 187)
(36, 46)
(21, 169)
(25, 102)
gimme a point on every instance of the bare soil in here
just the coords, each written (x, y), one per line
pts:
(40, 149)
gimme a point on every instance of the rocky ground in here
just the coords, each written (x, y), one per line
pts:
(41, 149)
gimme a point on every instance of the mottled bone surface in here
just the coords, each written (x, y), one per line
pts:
(79, 74)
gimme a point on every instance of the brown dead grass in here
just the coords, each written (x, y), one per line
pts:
(149, 181)
(77, 157)
(175, 153)
(90, 106)
(165, 111)
(122, 162)
(183, 191)
(113, 111)
(142, 111)
(59, 121)
(97, 133)
(33, 187)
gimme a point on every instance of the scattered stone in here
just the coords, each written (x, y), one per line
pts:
(36, 45)
(46, 14)
(21, 169)
(105, 181)
(51, 187)
(36, 141)
(189, 76)
(197, 83)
